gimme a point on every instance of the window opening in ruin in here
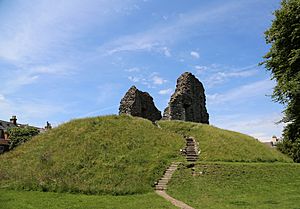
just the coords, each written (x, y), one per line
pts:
(186, 112)
(144, 110)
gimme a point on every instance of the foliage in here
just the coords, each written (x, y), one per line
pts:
(290, 148)
(238, 185)
(222, 145)
(283, 60)
(10, 199)
(104, 155)
(19, 135)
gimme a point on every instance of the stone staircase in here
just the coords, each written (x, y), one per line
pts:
(162, 183)
(191, 150)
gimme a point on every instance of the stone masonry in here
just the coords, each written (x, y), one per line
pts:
(138, 103)
(188, 101)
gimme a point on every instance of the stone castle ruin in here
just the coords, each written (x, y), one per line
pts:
(138, 103)
(187, 103)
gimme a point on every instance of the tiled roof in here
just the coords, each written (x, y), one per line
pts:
(5, 125)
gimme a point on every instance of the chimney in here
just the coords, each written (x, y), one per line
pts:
(13, 119)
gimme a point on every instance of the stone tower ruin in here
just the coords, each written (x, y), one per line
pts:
(138, 103)
(188, 101)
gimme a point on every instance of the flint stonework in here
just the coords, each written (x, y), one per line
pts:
(188, 101)
(140, 104)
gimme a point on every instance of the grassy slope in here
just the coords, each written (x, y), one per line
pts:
(239, 185)
(103, 155)
(125, 155)
(38, 200)
(222, 145)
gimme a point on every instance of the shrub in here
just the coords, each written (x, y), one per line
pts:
(19, 135)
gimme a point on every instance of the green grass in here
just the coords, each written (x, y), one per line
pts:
(222, 145)
(238, 185)
(123, 155)
(40, 200)
(104, 155)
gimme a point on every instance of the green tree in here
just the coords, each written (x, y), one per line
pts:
(283, 60)
(19, 135)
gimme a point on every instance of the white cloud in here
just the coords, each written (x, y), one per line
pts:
(157, 80)
(135, 79)
(241, 93)
(26, 76)
(166, 51)
(150, 80)
(2, 98)
(53, 69)
(166, 91)
(159, 36)
(220, 77)
(133, 69)
(195, 54)
(33, 110)
(262, 126)
(44, 29)
(216, 74)
(200, 69)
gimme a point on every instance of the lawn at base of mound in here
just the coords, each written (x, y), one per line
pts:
(116, 155)
(222, 145)
(27, 200)
(238, 185)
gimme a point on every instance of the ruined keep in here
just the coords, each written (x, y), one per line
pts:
(188, 101)
(138, 103)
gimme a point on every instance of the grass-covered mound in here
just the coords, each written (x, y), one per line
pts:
(223, 145)
(238, 185)
(103, 155)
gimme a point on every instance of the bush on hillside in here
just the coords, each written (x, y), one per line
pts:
(292, 149)
(18, 135)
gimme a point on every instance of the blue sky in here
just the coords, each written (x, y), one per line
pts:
(73, 58)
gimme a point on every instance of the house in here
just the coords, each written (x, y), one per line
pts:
(4, 126)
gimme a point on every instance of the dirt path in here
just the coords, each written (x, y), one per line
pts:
(175, 202)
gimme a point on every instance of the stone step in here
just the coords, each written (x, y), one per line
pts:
(171, 169)
(168, 173)
(160, 188)
(163, 181)
(192, 153)
(191, 160)
(191, 157)
(165, 178)
(190, 147)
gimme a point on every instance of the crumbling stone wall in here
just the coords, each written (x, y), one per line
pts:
(138, 103)
(188, 101)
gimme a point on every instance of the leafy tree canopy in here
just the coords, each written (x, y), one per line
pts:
(283, 60)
